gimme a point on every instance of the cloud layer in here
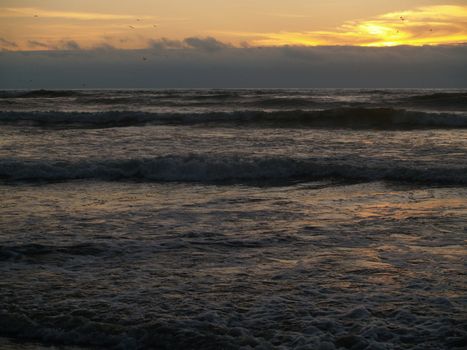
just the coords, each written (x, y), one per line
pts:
(432, 25)
(29, 12)
(429, 25)
(206, 62)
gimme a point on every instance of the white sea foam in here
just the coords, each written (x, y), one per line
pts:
(229, 220)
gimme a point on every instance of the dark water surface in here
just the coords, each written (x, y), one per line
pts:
(233, 219)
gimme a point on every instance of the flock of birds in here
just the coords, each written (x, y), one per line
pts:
(133, 28)
(130, 26)
(402, 18)
(139, 20)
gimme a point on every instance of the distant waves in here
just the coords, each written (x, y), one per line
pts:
(231, 169)
(353, 118)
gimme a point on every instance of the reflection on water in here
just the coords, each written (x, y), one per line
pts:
(139, 262)
(271, 219)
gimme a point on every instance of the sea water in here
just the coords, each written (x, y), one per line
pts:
(233, 219)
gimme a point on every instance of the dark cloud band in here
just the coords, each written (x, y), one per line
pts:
(198, 63)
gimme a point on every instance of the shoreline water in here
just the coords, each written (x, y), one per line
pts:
(182, 236)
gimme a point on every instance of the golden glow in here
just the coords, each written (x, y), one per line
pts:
(38, 13)
(432, 25)
(31, 28)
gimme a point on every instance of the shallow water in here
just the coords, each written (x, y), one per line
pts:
(227, 236)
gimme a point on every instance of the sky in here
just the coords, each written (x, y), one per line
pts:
(131, 24)
(231, 37)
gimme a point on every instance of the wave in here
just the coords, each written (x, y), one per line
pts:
(84, 327)
(229, 170)
(39, 251)
(152, 101)
(192, 94)
(353, 118)
(214, 95)
(194, 100)
(283, 102)
(441, 99)
(39, 94)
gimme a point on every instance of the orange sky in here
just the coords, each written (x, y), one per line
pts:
(56, 24)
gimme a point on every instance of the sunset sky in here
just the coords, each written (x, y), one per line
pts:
(242, 43)
(135, 24)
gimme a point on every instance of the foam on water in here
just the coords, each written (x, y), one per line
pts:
(179, 266)
(233, 219)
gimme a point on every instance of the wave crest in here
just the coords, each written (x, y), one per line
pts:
(33, 252)
(354, 118)
(233, 169)
(39, 94)
(441, 99)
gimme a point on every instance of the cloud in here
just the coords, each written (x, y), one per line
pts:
(34, 44)
(430, 25)
(164, 43)
(69, 45)
(104, 47)
(206, 44)
(7, 44)
(28, 12)
(174, 64)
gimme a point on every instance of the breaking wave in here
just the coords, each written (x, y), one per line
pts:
(354, 118)
(441, 99)
(284, 102)
(229, 170)
(39, 94)
(34, 252)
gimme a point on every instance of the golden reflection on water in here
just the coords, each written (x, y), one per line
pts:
(331, 229)
(414, 208)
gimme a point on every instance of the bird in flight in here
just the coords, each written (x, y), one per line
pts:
(131, 27)
(402, 18)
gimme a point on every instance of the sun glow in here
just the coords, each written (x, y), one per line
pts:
(434, 25)
(40, 29)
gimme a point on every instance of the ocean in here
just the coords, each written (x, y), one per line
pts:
(233, 219)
